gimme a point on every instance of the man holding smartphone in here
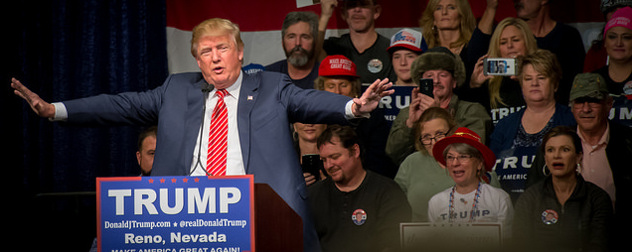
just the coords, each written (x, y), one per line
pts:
(446, 71)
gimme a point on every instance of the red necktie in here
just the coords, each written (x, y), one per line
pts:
(218, 134)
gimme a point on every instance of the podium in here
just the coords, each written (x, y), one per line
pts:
(277, 226)
(220, 213)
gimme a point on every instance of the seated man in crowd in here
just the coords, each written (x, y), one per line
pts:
(146, 150)
(447, 72)
(354, 209)
(337, 74)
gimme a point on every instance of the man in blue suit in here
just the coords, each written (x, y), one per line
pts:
(260, 109)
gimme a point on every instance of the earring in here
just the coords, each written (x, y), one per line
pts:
(579, 169)
(544, 169)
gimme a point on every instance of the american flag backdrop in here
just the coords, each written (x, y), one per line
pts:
(260, 23)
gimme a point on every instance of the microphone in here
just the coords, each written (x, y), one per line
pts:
(206, 88)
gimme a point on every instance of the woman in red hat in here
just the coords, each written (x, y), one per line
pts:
(468, 161)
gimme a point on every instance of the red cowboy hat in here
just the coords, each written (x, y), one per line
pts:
(467, 136)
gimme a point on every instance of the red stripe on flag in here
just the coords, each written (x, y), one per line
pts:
(257, 15)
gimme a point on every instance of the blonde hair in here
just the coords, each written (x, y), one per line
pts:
(430, 34)
(215, 27)
(544, 62)
(494, 52)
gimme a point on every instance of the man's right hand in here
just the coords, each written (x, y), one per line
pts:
(418, 104)
(327, 9)
(41, 107)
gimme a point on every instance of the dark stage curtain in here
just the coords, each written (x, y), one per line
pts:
(64, 50)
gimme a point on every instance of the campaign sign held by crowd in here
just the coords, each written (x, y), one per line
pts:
(175, 213)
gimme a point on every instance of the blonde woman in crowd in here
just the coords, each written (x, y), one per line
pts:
(516, 138)
(501, 95)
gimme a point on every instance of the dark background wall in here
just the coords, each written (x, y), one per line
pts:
(65, 50)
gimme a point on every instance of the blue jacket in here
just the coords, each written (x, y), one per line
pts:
(268, 103)
(507, 128)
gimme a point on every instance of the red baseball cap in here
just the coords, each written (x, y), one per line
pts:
(337, 65)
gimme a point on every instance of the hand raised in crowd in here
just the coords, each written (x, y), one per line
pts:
(327, 8)
(478, 75)
(41, 107)
(418, 104)
(372, 96)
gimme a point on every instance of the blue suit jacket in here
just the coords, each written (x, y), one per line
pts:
(268, 103)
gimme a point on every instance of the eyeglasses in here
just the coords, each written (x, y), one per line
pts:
(591, 102)
(427, 140)
(461, 158)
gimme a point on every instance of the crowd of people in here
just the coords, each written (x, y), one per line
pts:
(534, 150)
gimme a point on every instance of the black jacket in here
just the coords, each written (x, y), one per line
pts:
(583, 223)
(619, 152)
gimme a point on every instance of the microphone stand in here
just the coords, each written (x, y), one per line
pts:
(206, 89)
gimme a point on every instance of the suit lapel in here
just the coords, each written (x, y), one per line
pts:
(247, 98)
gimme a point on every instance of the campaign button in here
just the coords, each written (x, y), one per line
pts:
(358, 217)
(549, 217)
(375, 66)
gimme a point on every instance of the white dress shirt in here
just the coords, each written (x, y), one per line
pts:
(234, 160)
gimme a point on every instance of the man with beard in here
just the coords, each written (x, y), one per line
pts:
(299, 32)
(362, 45)
(561, 39)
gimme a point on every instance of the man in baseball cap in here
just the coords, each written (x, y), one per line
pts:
(591, 104)
(607, 145)
(406, 45)
(337, 74)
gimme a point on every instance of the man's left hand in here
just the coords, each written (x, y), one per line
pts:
(371, 97)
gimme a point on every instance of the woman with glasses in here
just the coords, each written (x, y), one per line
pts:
(445, 71)
(469, 199)
(420, 176)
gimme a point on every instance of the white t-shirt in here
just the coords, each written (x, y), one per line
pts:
(494, 205)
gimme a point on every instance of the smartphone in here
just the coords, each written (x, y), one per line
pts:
(426, 86)
(312, 164)
(500, 66)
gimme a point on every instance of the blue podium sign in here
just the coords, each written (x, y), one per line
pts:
(175, 214)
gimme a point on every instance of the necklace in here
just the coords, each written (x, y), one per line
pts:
(474, 204)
